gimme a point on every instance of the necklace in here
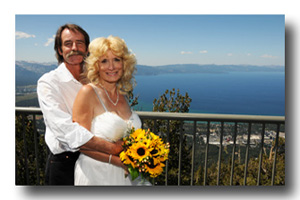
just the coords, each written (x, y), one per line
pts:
(114, 103)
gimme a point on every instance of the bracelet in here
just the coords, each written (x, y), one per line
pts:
(109, 159)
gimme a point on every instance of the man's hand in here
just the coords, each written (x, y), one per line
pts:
(117, 147)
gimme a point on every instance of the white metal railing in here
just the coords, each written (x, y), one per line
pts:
(193, 119)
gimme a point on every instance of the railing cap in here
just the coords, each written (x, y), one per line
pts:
(187, 116)
(213, 117)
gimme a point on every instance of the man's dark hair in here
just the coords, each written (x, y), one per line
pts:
(58, 42)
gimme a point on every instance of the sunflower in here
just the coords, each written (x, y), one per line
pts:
(163, 150)
(155, 170)
(138, 134)
(165, 154)
(139, 151)
(127, 160)
(147, 142)
(153, 136)
(144, 153)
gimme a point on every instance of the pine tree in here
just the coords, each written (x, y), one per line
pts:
(172, 101)
(27, 164)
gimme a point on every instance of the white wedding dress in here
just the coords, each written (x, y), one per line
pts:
(110, 127)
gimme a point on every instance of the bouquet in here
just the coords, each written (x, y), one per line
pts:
(144, 153)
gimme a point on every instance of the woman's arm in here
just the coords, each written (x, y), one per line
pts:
(83, 107)
(104, 157)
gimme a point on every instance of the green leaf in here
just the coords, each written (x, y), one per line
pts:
(133, 172)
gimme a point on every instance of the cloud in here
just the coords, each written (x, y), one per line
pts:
(248, 54)
(268, 56)
(186, 52)
(203, 51)
(49, 41)
(20, 35)
(229, 54)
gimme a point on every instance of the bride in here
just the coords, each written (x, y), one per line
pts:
(101, 107)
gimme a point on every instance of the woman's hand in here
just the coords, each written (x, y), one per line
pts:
(115, 160)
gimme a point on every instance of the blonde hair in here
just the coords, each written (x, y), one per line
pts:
(99, 47)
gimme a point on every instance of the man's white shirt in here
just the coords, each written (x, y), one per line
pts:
(57, 91)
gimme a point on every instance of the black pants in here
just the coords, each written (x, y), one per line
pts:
(60, 168)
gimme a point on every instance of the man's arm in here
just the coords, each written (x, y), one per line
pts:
(83, 112)
(58, 119)
(101, 145)
(59, 122)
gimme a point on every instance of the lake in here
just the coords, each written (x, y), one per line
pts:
(250, 93)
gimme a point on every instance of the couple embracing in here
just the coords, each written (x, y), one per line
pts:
(86, 110)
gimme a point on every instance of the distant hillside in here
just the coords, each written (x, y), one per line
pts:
(27, 73)
(195, 68)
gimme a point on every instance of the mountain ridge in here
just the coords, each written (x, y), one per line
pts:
(27, 73)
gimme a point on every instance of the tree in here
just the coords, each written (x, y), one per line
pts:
(26, 160)
(172, 101)
(132, 100)
(252, 173)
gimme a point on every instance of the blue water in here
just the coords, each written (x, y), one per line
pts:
(251, 93)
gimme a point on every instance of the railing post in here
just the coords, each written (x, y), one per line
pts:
(193, 152)
(180, 151)
(142, 121)
(261, 153)
(275, 154)
(233, 153)
(36, 143)
(25, 148)
(220, 153)
(206, 152)
(247, 154)
(155, 131)
(167, 162)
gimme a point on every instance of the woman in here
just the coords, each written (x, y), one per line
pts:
(101, 107)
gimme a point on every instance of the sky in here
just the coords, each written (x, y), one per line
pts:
(165, 39)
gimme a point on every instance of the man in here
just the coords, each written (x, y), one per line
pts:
(56, 93)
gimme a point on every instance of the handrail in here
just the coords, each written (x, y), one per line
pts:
(212, 117)
(188, 116)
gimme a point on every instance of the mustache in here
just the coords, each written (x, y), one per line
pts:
(72, 53)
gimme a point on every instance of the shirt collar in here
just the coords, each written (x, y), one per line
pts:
(64, 74)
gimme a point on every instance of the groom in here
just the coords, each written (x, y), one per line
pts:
(56, 93)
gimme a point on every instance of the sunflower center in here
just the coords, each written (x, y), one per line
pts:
(130, 158)
(141, 151)
(151, 165)
(154, 151)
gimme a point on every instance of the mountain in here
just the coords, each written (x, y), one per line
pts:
(27, 73)
(196, 68)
